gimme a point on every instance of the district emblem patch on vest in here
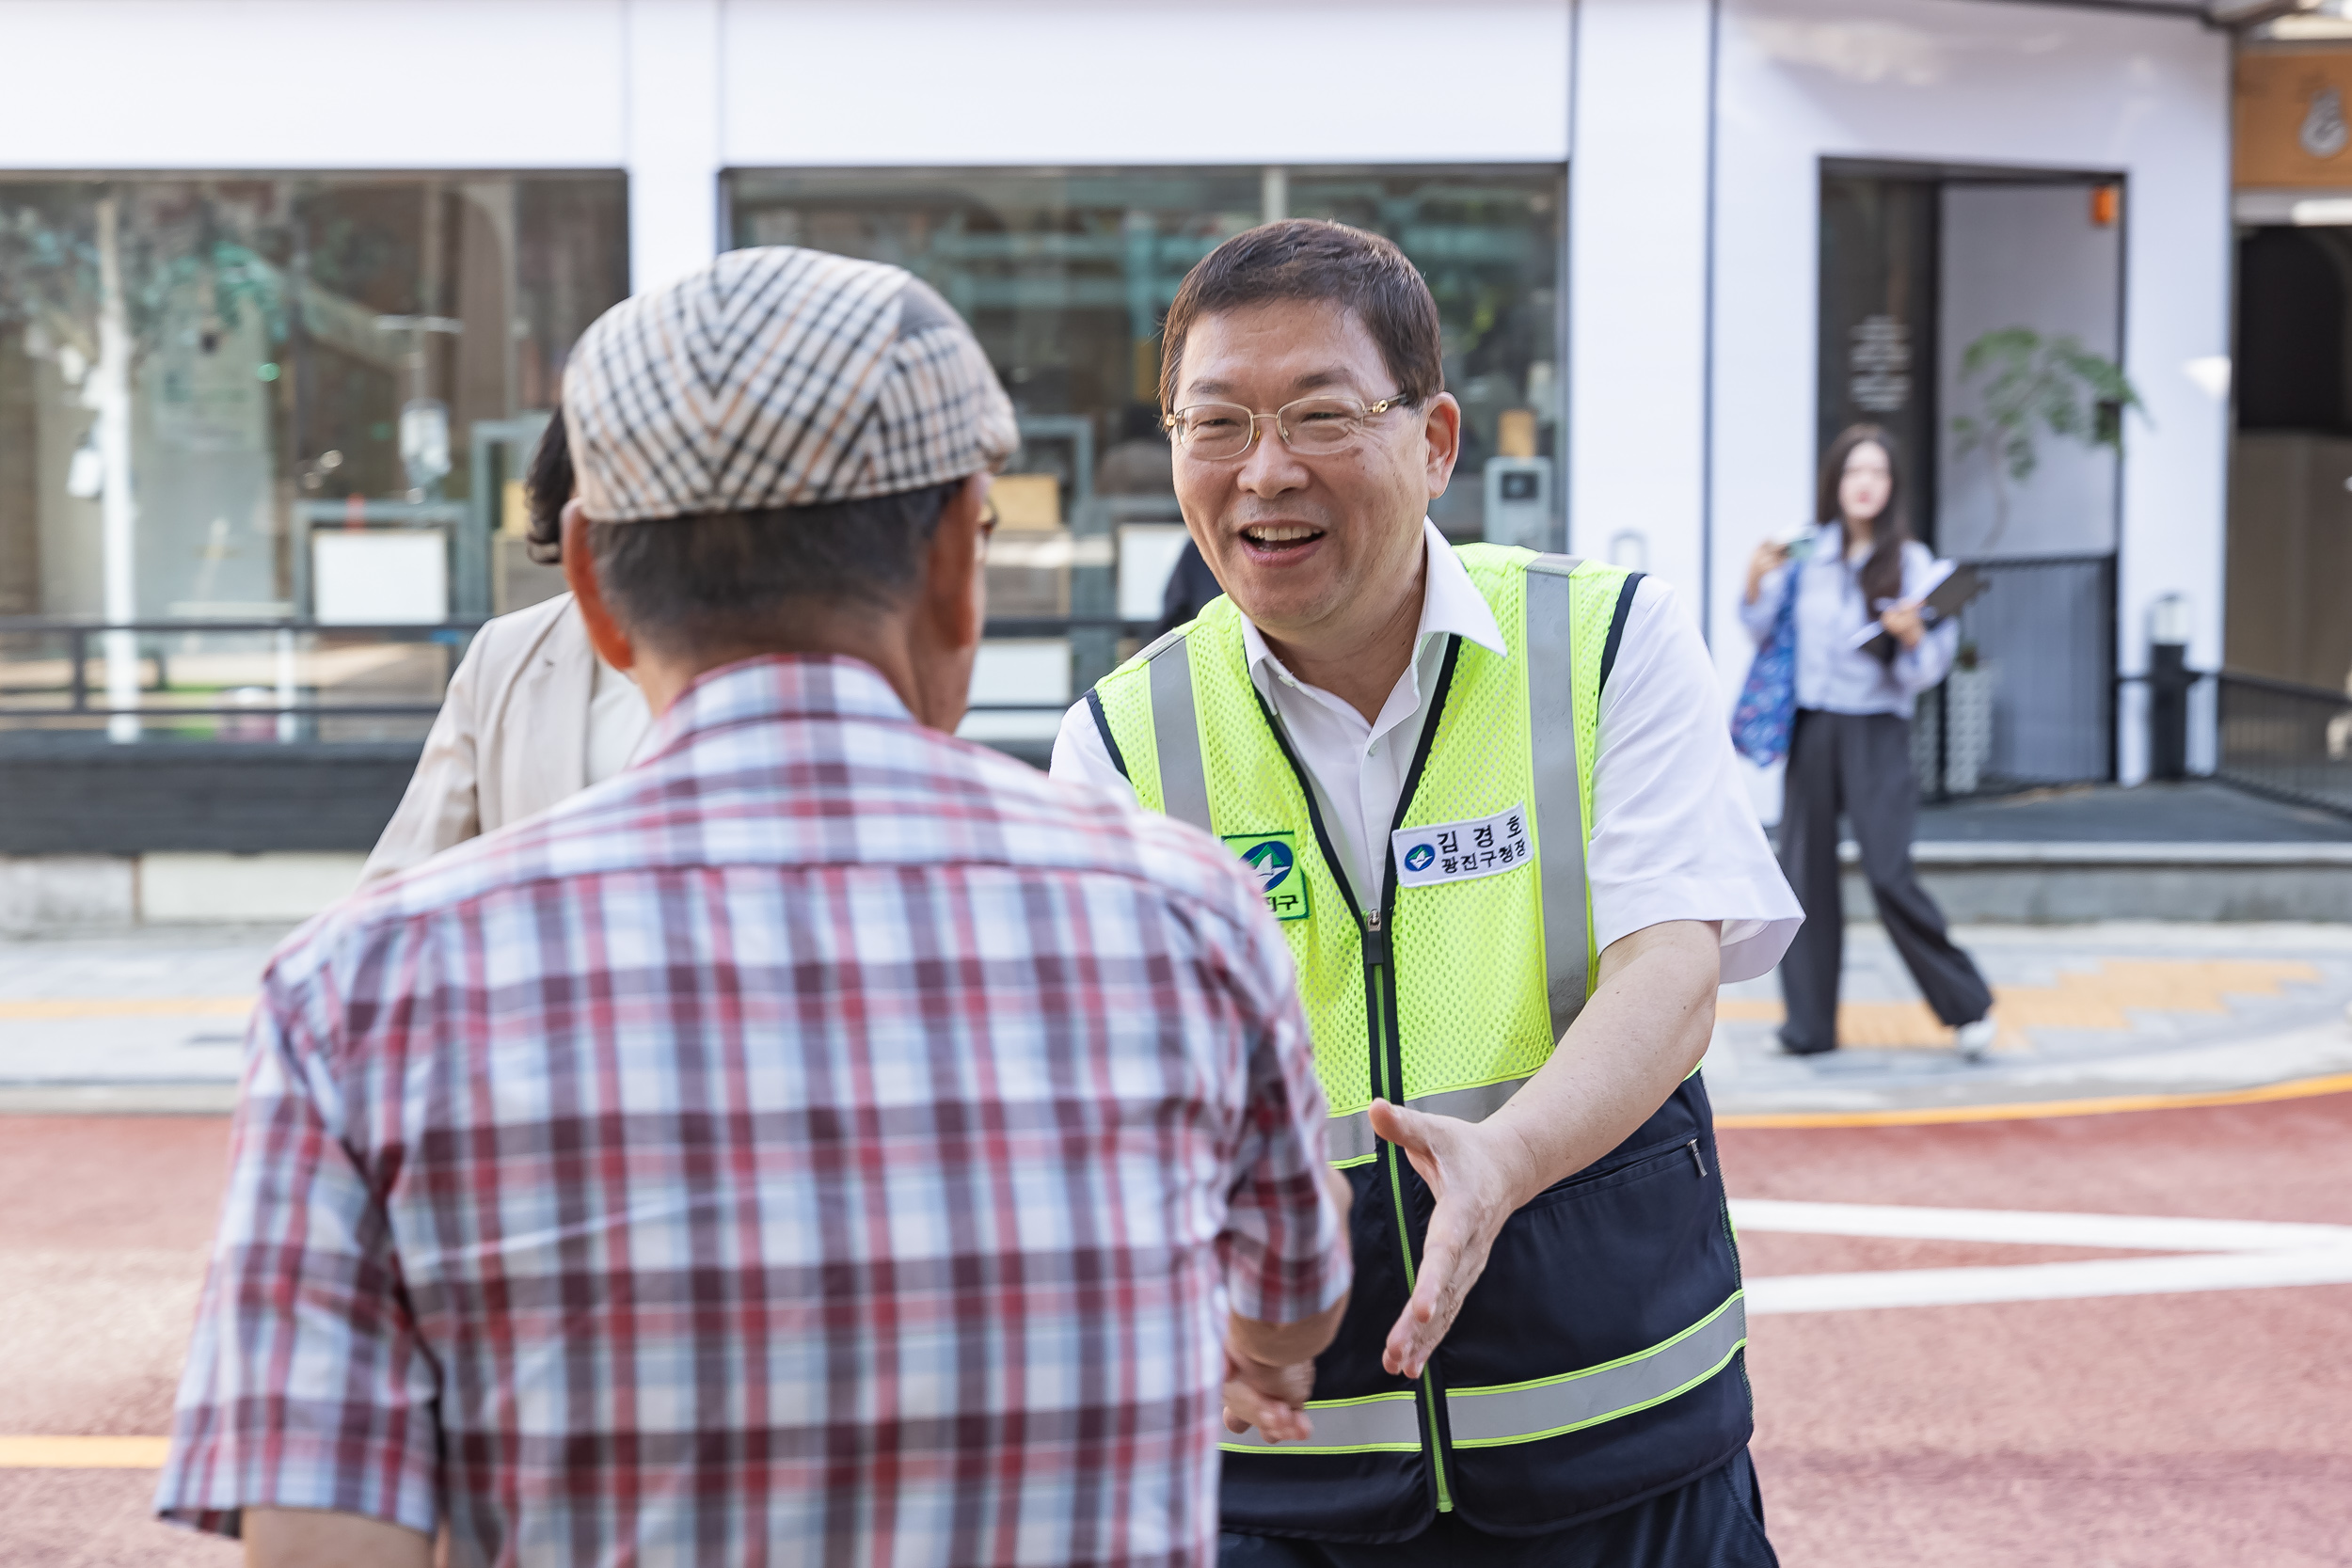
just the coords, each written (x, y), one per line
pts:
(1599, 1358)
(1273, 859)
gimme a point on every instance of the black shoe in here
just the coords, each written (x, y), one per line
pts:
(1794, 1048)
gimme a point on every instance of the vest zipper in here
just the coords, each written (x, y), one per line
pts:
(1380, 1009)
(1380, 974)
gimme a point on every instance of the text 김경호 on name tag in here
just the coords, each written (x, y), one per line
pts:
(1457, 851)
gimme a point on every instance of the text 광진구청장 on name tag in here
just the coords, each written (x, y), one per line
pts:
(1457, 851)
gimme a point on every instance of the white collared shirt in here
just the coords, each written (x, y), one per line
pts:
(618, 722)
(1673, 836)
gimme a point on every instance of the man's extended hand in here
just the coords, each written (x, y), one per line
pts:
(1645, 1028)
(1479, 1173)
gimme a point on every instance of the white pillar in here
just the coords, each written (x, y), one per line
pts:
(1638, 237)
(118, 506)
(672, 108)
(289, 722)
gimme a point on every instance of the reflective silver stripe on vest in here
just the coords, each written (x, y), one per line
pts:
(1523, 1412)
(1349, 1139)
(1345, 1426)
(1559, 804)
(1176, 735)
(1470, 1104)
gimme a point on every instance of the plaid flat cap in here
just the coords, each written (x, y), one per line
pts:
(778, 377)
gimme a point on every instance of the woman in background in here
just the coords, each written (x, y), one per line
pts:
(1851, 747)
(532, 715)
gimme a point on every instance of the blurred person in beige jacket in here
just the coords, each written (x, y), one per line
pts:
(532, 714)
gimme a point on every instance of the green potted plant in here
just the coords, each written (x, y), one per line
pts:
(2032, 385)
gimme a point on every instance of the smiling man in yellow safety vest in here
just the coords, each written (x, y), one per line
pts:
(1490, 798)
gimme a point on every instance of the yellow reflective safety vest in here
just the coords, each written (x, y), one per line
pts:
(1598, 1359)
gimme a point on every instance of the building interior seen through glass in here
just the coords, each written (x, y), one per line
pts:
(245, 398)
(1065, 274)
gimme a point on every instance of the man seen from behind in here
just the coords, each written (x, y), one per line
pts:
(825, 1141)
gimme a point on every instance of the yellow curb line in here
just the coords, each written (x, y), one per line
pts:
(2300, 1088)
(83, 1453)
(126, 1006)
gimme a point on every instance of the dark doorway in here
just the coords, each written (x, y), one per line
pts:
(2290, 554)
(1918, 262)
(2290, 331)
(1877, 353)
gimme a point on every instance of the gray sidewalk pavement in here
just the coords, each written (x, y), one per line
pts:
(2199, 811)
(2091, 1011)
(150, 1019)
(154, 1021)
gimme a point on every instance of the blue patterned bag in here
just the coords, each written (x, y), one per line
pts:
(1767, 710)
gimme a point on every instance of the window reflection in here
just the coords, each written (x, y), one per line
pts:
(277, 348)
(1065, 276)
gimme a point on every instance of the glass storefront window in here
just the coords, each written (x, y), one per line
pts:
(1065, 274)
(198, 373)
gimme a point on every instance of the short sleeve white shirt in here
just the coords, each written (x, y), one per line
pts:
(1674, 838)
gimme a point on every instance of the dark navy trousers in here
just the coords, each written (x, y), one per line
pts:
(1716, 1521)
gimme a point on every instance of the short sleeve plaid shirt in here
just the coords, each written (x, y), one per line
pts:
(826, 1141)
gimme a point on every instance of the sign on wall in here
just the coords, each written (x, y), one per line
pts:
(2291, 119)
(1877, 322)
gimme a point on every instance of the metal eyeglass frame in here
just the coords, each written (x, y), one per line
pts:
(1169, 423)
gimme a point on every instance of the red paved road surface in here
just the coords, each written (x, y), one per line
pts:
(2148, 1431)
(2152, 1432)
(104, 1226)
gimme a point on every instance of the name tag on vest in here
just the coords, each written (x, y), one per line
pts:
(1458, 851)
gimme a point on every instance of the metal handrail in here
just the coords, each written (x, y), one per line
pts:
(2284, 688)
(83, 625)
(81, 630)
(2284, 738)
(1009, 626)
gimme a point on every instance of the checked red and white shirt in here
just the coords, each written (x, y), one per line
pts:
(826, 1141)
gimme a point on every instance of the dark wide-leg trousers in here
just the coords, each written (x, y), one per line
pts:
(1716, 1521)
(1860, 764)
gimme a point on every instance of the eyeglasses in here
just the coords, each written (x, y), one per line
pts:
(1220, 432)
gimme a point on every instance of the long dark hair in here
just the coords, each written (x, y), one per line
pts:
(1883, 573)
(546, 487)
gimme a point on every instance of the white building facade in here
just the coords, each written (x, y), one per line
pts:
(1675, 241)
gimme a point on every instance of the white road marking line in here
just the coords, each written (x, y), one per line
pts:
(2122, 1276)
(2140, 1233)
(2225, 1255)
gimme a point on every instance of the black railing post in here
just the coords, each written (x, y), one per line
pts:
(2169, 682)
(79, 640)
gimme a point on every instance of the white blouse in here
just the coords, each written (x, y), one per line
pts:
(1831, 675)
